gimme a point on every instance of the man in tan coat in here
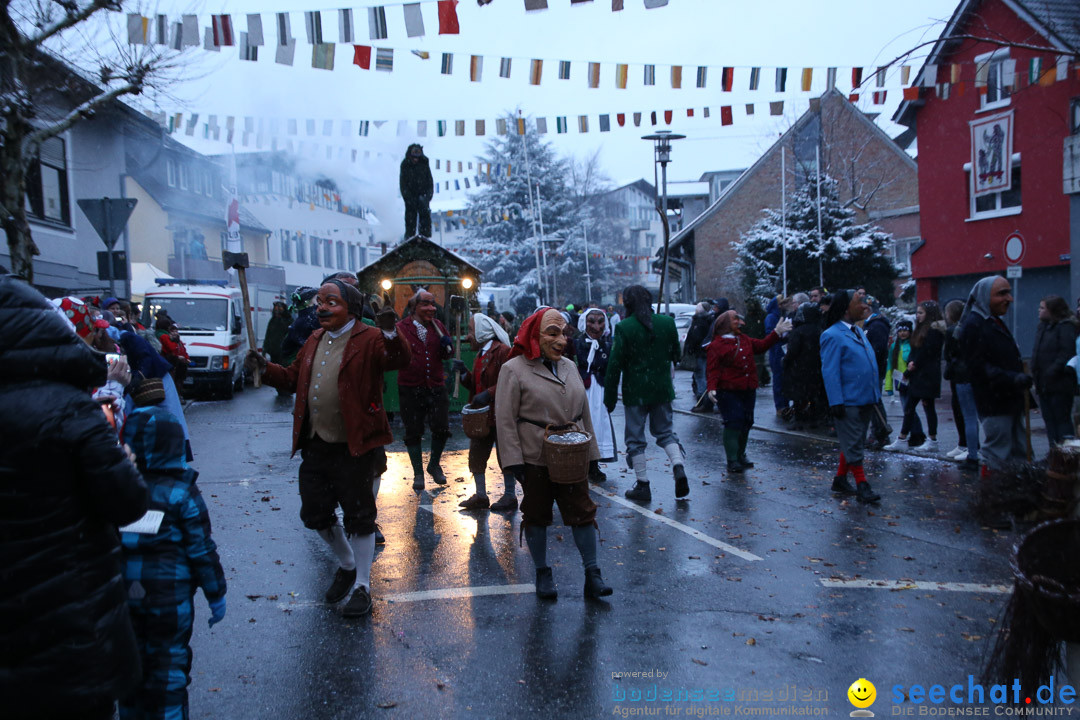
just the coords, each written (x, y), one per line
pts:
(539, 387)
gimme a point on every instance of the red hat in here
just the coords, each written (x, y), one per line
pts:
(78, 314)
(527, 342)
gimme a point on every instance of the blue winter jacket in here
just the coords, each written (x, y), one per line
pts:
(849, 367)
(776, 352)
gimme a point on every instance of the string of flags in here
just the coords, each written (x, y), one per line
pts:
(946, 80)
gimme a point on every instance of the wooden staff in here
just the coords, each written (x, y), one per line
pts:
(239, 262)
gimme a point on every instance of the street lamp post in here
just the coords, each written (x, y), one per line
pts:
(662, 155)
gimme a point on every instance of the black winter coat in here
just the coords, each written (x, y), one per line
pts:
(1055, 344)
(695, 336)
(877, 332)
(802, 363)
(414, 180)
(600, 359)
(997, 372)
(956, 369)
(65, 484)
(924, 381)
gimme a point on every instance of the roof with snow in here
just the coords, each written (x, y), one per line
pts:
(1056, 20)
(449, 263)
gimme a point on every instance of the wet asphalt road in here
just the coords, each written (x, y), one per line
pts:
(729, 599)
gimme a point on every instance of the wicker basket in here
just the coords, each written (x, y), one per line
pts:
(567, 463)
(1044, 564)
(476, 422)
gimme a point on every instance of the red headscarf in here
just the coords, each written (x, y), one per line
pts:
(527, 342)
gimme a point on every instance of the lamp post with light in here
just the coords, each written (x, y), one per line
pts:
(662, 156)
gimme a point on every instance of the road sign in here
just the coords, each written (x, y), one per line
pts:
(108, 216)
(1014, 248)
(1014, 271)
(119, 265)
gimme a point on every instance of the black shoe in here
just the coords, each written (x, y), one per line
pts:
(545, 584)
(594, 584)
(507, 503)
(744, 462)
(476, 502)
(418, 482)
(842, 486)
(379, 538)
(735, 467)
(596, 475)
(970, 465)
(359, 604)
(436, 474)
(682, 487)
(702, 409)
(865, 495)
(343, 582)
(640, 491)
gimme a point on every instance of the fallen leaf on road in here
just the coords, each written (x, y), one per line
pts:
(658, 511)
(253, 597)
(387, 705)
(751, 641)
(699, 662)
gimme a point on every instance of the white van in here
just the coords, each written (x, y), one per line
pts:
(210, 315)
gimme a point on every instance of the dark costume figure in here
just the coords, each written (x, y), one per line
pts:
(276, 330)
(164, 568)
(802, 367)
(593, 348)
(492, 348)
(540, 387)
(416, 188)
(305, 323)
(422, 387)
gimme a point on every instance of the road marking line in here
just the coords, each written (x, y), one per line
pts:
(697, 534)
(862, 584)
(422, 595)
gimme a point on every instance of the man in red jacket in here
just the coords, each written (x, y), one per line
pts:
(422, 387)
(340, 428)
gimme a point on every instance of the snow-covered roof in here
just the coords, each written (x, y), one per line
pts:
(687, 188)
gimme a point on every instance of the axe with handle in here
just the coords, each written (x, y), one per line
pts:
(239, 262)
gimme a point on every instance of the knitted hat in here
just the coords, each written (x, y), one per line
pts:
(903, 325)
(149, 391)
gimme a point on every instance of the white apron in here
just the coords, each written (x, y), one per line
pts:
(601, 421)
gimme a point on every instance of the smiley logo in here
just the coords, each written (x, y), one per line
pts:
(862, 694)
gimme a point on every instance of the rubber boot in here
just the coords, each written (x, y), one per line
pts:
(731, 449)
(744, 438)
(433, 467)
(416, 457)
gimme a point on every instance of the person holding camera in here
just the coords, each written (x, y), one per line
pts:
(340, 428)
(492, 347)
(849, 367)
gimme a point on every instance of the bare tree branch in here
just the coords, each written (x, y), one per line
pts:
(73, 16)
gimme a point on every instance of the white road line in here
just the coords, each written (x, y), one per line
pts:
(422, 595)
(863, 584)
(697, 534)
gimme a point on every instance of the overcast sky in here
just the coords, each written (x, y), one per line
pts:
(765, 33)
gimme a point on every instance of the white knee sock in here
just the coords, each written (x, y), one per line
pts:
(639, 468)
(363, 549)
(674, 454)
(335, 538)
(375, 487)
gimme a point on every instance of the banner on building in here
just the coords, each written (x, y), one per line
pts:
(991, 154)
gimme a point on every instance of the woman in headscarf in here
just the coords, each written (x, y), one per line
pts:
(1055, 381)
(593, 348)
(539, 387)
(733, 381)
(492, 347)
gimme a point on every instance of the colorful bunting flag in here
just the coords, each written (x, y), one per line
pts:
(248, 51)
(701, 73)
(621, 119)
(480, 129)
(255, 30)
(755, 78)
(504, 67)
(362, 56)
(541, 126)
(807, 79)
(727, 79)
(637, 119)
(668, 114)
(161, 24)
(830, 78)
(583, 123)
(208, 41)
(620, 75)
(560, 124)
(500, 126)
(911, 93)
(313, 27)
(856, 77)
(377, 25)
(136, 28)
(177, 40)
(447, 64)
(652, 117)
(476, 67)
(440, 130)
(223, 32)
(725, 115)
(384, 59)
(650, 75)
(285, 53)
(930, 73)
(749, 108)
(459, 128)
(605, 123)
(594, 74)
(564, 69)
(421, 128)
(322, 56)
(191, 30)
(676, 77)
(954, 73)
(414, 19)
(520, 126)
(650, 4)
(448, 19)
(536, 4)
(346, 27)
(536, 69)
(776, 108)
(781, 79)
(616, 5)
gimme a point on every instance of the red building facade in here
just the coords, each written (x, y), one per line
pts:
(976, 78)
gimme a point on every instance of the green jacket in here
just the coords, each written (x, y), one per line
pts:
(643, 360)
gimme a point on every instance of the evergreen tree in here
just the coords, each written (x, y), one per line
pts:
(847, 254)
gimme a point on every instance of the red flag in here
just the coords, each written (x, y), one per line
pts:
(448, 22)
(854, 97)
(689, 112)
(725, 115)
(667, 116)
(911, 93)
(856, 77)
(727, 78)
(362, 56)
(621, 119)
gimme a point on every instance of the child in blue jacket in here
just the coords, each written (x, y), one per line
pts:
(164, 566)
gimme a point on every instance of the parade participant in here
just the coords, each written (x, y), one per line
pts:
(849, 368)
(877, 331)
(306, 322)
(593, 350)
(645, 348)
(492, 347)
(422, 387)
(174, 350)
(924, 375)
(276, 330)
(539, 387)
(997, 372)
(66, 645)
(965, 416)
(778, 308)
(700, 326)
(417, 187)
(733, 381)
(802, 366)
(164, 567)
(340, 427)
(1055, 381)
(507, 321)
